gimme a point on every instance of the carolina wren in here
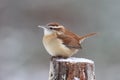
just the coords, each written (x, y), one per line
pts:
(59, 41)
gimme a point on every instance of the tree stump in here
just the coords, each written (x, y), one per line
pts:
(71, 69)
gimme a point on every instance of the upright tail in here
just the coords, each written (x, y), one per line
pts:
(82, 38)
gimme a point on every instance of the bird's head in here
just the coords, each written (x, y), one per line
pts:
(52, 28)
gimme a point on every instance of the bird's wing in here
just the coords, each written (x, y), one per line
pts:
(69, 41)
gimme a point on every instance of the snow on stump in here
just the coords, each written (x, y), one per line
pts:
(71, 69)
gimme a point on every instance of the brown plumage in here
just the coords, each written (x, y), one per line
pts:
(70, 40)
(60, 41)
(53, 24)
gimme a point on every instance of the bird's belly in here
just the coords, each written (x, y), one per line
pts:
(56, 48)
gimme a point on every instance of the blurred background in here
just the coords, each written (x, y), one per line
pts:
(22, 55)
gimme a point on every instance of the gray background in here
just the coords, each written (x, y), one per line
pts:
(22, 55)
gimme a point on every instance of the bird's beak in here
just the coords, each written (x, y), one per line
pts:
(44, 27)
(41, 26)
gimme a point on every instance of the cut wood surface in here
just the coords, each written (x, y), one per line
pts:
(71, 69)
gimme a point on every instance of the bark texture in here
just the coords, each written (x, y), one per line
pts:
(71, 69)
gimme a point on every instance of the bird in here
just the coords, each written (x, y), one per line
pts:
(60, 41)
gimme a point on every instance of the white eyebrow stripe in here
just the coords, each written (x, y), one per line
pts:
(56, 26)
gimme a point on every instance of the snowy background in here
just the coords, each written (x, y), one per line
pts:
(22, 55)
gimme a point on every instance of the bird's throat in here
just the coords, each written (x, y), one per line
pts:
(47, 32)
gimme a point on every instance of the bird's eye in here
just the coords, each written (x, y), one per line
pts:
(51, 28)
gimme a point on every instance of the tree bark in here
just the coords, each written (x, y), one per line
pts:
(71, 69)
